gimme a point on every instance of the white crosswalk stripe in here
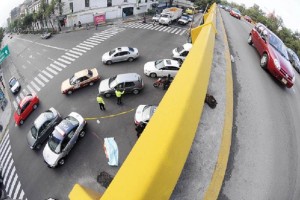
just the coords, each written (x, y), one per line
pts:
(174, 30)
(103, 35)
(183, 32)
(60, 64)
(21, 95)
(82, 47)
(97, 39)
(39, 81)
(11, 183)
(55, 67)
(75, 52)
(171, 29)
(43, 78)
(79, 50)
(90, 43)
(51, 70)
(94, 41)
(25, 91)
(47, 74)
(64, 61)
(17, 190)
(15, 105)
(158, 27)
(35, 86)
(68, 58)
(178, 31)
(18, 99)
(72, 55)
(30, 89)
(86, 45)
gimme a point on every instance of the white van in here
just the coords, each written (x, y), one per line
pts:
(181, 52)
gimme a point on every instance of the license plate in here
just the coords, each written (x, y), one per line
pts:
(284, 81)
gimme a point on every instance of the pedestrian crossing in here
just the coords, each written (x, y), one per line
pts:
(9, 174)
(167, 29)
(65, 60)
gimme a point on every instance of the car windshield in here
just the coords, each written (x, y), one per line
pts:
(236, 10)
(278, 45)
(90, 73)
(55, 141)
(185, 17)
(72, 121)
(148, 112)
(112, 52)
(159, 64)
(179, 49)
(73, 80)
(112, 82)
(12, 82)
(131, 49)
(34, 131)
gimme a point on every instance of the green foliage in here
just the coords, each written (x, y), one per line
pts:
(1, 34)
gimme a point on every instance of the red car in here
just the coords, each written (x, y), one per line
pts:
(247, 18)
(29, 103)
(235, 13)
(273, 52)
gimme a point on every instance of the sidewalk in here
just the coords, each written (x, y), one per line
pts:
(5, 116)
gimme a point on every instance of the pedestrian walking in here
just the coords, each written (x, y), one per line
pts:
(119, 96)
(140, 128)
(101, 102)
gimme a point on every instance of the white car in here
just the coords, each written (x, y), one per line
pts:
(14, 85)
(120, 54)
(180, 53)
(143, 113)
(63, 138)
(161, 68)
(156, 17)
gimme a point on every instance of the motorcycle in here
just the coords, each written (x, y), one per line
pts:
(165, 82)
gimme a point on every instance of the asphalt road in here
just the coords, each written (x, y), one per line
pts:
(31, 56)
(264, 160)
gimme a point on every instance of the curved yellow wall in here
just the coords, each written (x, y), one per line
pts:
(153, 166)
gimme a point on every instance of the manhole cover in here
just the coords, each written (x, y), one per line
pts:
(104, 179)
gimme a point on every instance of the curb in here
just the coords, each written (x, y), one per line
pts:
(215, 185)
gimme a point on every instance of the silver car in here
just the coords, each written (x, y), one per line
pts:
(120, 54)
(143, 113)
(14, 85)
(63, 138)
(129, 83)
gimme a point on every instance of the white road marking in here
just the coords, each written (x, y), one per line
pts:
(7, 171)
(68, 58)
(21, 195)
(9, 179)
(25, 91)
(183, 32)
(170, 30)
(39, 81)
(3, 143)
(94, 41)
(30, 89)
(72, 55)
(79, 50)
(18, 99)
(6, 159)
(82, 47)
(64, 61)
(17, 190)
(60, 64)
(15, 105)
(28, 61)
(86, 45)
(51, 70)
(3, 151)
(97, 39)
(13, 185)
(178, 31)
(90, 43)
(80, 54)
(49, 46)
(21, 95)
(38, 53)
(35, 86)
(43, 78)
(55, 67)
(175, 29)
(23, 66)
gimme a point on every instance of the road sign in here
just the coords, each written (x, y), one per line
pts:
(4, 53)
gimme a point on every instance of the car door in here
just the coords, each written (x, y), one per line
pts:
(65, 146)
(84, 81)
(45, 131)
(258, 42)
(129, 86)
(76, 84)
(26, 109)
(172, 70)
(117, 57)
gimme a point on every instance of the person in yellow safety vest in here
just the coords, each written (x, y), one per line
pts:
(119, 96)
(100, 102)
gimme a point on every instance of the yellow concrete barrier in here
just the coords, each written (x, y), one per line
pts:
(152, 168)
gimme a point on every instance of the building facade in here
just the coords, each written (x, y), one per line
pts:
(85, 10)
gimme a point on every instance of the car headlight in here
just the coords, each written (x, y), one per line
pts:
(294, 78)
(277, 64)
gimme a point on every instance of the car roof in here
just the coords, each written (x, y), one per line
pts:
(65, 126)
(169, 62)
(82, 73)
(12, 78)
(27, 98)
(187, 46)
(42, 118)
(127, 77)
(118, 49)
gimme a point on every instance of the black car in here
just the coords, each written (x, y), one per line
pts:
(294, 59)
(42, 127)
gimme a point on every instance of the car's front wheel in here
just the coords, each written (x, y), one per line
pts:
(69, 92)
(264, 61)
(61, 161)
(130, 59)
(108, 62)
(107, 95)
(21, 122)
(38, 146)
(153, 75)
(82, 134)
(91, 83)
(35, 106)
(250, 40)
(135, 91)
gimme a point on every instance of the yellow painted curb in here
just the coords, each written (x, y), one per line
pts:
(109, 116)
(215, 185)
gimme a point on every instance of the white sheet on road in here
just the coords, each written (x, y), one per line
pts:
(111, 151)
